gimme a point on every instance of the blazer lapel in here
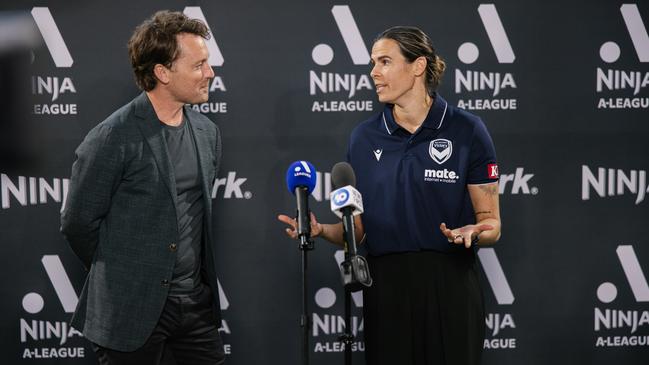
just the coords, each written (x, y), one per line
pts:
(202, 144)
(152, 131)
(204, 158)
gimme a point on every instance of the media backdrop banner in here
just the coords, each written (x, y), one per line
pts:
(563, 88)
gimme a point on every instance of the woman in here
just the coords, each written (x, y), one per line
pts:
(420, 164)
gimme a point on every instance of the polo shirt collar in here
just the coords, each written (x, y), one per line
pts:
(434, 119)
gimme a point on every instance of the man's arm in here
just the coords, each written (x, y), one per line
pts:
(95, 176)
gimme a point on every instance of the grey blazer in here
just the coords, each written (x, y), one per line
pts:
(120, 220)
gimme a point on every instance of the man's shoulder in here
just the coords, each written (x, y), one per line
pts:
(122, 118)
(119, 126)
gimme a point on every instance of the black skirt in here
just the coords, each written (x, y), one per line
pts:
(423, 308)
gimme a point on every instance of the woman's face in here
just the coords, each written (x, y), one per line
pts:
(394, 77)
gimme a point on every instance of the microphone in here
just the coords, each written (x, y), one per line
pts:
(300, 180)
(346, 202)
(346, 199)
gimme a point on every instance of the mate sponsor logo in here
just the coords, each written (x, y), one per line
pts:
(440, 150)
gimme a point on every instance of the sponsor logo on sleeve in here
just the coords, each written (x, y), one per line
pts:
(492, 170)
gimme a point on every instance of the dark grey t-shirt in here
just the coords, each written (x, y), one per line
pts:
(182, 152)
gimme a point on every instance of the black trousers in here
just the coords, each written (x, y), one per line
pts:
(187, 333)
(423, 308)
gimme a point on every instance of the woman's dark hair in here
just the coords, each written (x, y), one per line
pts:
(154, 42)
(414, 43)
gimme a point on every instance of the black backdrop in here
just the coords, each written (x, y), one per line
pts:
(565, 285)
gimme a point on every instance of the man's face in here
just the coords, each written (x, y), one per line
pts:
(393, 76)
(189, 79)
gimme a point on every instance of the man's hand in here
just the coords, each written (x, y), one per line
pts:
(464, 235)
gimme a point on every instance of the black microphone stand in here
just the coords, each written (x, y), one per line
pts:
(347, 338)
(306, 245)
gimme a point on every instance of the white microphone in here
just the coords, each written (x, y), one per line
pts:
(346, 197)
(346, 202)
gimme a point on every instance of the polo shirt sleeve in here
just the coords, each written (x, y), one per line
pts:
(483, 167)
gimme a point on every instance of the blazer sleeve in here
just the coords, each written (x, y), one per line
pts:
(96, 174)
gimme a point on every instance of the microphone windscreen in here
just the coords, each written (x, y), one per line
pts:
(342, 174)
(301, 173)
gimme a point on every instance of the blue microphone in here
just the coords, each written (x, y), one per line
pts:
(301, 179)
(301, 173)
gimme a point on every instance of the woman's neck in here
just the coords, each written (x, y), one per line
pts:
(411, 115)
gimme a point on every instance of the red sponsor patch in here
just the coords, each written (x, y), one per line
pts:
(492, 170)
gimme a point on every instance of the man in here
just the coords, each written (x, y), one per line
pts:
(138, 212)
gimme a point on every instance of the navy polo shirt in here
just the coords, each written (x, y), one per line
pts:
(411, 183)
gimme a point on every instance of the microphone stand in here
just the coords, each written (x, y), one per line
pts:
(347, 338)
(306, 245)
